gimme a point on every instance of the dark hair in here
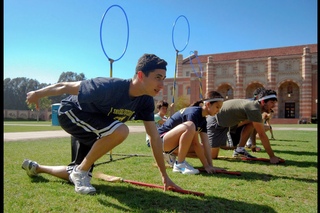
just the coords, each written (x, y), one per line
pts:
(256, 92)
(267, 92)
(209, 95)
(162, 104)
(212, 95)
(149, 62)
(197, 103)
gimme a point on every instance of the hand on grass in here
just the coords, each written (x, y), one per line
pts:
(169, 184)
(274, 160)
(212, 169)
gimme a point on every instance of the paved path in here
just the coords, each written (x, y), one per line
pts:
(16, 136)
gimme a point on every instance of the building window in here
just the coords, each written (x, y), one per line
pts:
(289, 110)
(188, 91)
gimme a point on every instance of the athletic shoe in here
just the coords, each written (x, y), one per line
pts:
(81, 181)
(30, 167)
(169, 159)
(243, 153)
(184, 168)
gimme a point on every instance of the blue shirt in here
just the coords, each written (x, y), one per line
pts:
(193, 114)
(110, 97)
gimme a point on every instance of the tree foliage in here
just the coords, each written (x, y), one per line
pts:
(182, 102)
(67, 77)
(16, 89)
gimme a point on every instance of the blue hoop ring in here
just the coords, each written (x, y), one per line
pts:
(125, 49)
(181, 16)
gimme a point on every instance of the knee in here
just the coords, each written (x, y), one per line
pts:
(122, 132)
(190, 126)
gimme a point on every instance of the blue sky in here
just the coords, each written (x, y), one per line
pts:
(42, 39)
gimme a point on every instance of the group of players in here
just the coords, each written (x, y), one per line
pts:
(97, 109)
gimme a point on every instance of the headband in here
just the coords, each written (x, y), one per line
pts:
(268, 97)
(214, 99)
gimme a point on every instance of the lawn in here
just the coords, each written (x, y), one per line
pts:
(262, 187)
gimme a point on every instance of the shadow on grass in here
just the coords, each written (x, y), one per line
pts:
(252, 176)
(303, 164)
(288, 140)
(297, 152)
(136, 199)
(39, 179)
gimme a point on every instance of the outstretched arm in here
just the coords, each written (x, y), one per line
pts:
(156, 145)
(71, 88)
(259, 127)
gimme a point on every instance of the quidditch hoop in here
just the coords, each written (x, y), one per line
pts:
(174, 25)
(103, 17)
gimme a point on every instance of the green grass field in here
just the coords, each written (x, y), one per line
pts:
(262, 187)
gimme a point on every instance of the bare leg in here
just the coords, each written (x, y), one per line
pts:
(57, 171)
(215, 152)
(182, 136)
(271, 131)
(245, 134)
(104, 145)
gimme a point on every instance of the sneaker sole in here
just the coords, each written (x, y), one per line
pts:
(185, 173)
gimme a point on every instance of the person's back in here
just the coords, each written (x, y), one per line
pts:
(235, 111)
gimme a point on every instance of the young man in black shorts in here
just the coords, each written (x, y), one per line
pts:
(95, 113)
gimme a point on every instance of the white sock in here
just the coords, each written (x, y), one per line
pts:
(249, 142)
(239, 149)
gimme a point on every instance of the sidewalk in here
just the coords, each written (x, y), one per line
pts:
(16, 136)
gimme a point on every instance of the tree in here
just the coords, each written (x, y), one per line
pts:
(71, 77)
(44, 105)
(67, 77)
(181, 103)
(15, 90)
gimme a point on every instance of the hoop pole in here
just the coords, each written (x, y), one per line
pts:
(111, 62)
(175, 74)
(201, 72)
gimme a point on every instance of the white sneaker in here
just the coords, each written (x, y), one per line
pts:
(30, 167)
(81, 181)
(184, 168)
(169, 159)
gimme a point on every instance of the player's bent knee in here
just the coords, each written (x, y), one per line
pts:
(122, 131)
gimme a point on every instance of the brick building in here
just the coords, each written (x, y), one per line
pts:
(291, 71)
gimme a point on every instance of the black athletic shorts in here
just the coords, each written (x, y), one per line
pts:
(86, 128)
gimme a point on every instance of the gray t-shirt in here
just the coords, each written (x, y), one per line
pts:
(235, 111)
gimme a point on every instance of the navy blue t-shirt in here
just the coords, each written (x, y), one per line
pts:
(110, 97)
(193, 114)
